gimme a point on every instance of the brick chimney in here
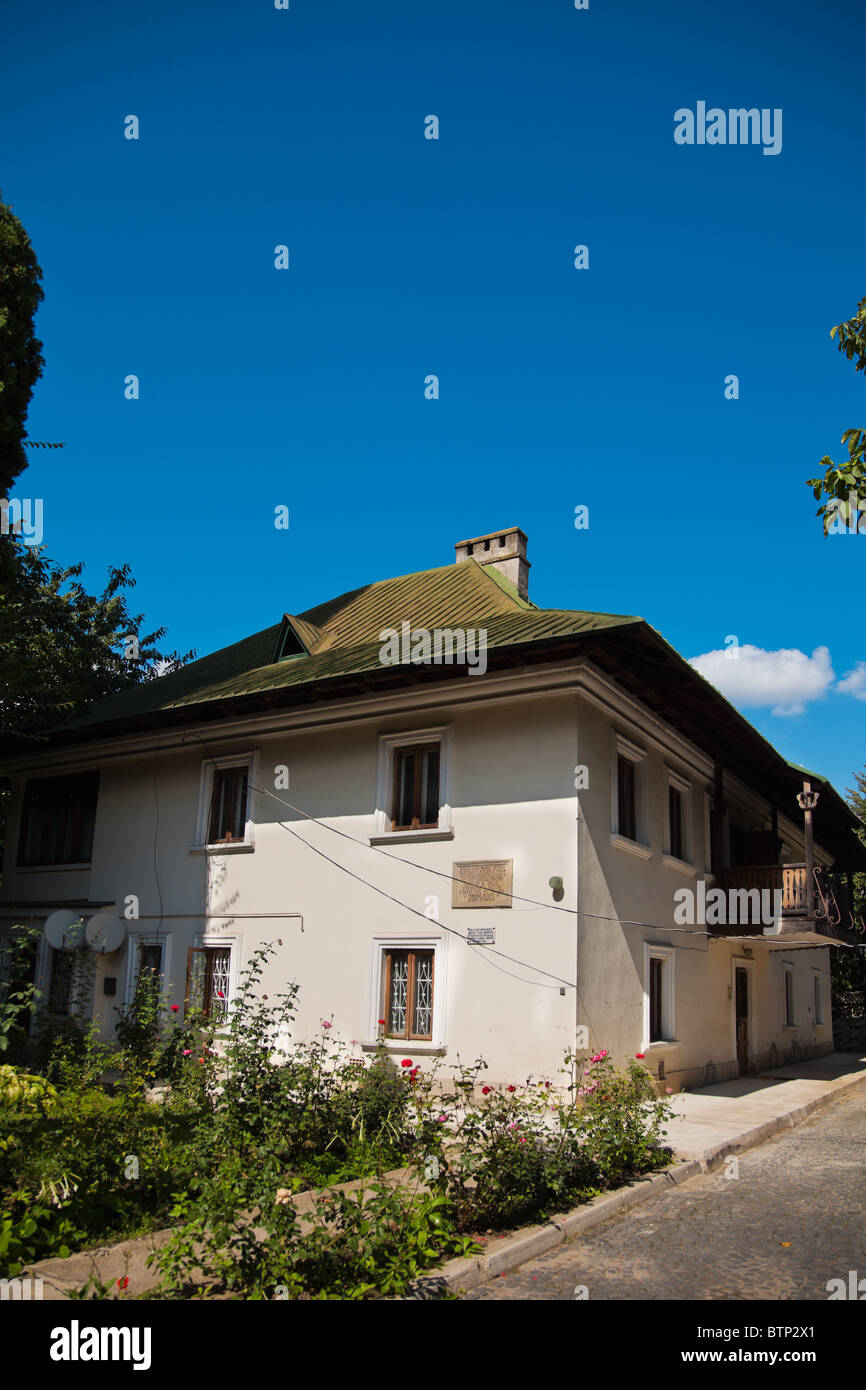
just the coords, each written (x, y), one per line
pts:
(504, 549)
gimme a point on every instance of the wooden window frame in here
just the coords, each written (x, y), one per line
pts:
(412, 953)
(207, 951)
(417, 750)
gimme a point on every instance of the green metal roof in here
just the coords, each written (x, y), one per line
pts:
(343, 637)
(310, 655)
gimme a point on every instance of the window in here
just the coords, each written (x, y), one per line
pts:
(57, 820)
(678, 840)
(18, 962)
(659, 994)
(208, 981)
(819, 1000)
(147, 967)
(656, 1033)
(675, 822)
(789, 999)
(408, 1003)
(413, 785)
(629, 819)
(228, 809)
(149, 958)
(225, 804)
(626, 797)
(61, 982)
(415, 804)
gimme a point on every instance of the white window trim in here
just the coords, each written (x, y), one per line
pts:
(208, 767)
(818, 1019)
(147, 938)
(667, 954)
(441, 734)
(620, 747)
(439, 946)
(687, 861)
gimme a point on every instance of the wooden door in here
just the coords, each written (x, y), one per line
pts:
(741, 993)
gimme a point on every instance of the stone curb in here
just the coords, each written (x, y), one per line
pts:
(460, 1275)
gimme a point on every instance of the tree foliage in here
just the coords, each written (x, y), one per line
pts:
(841, 483)
(62, 647)
(21, 359)
(848, 968)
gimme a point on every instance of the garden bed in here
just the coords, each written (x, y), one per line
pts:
(403, 1167)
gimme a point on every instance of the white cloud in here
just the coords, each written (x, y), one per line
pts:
(785, 679)
(854, 682)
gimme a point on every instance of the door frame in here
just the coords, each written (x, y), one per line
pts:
(747, 964)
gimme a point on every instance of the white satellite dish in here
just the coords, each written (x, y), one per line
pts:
(64, 929)
(105, 932)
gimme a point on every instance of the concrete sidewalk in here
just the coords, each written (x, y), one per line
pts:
(734, 1115)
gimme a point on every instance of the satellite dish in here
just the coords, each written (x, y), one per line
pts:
(105, 932)
(64, 929)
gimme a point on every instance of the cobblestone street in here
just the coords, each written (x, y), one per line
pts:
(794, 1218)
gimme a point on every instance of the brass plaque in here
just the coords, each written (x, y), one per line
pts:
(482, 883)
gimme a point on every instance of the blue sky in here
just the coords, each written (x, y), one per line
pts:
(408, 256)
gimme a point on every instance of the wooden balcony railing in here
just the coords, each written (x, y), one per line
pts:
(829, 896)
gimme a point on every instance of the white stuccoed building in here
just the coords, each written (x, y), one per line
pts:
(489, 842)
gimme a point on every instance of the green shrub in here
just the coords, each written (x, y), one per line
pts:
(21, 1090)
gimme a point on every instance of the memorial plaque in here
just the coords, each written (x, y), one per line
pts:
(481, 936)
(482, 883)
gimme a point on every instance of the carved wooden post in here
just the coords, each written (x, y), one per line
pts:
(808, 800)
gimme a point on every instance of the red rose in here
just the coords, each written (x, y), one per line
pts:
(406, 1062)
(485, 1090)
(640, 1056)
(174, 1008)
(512, 1088)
